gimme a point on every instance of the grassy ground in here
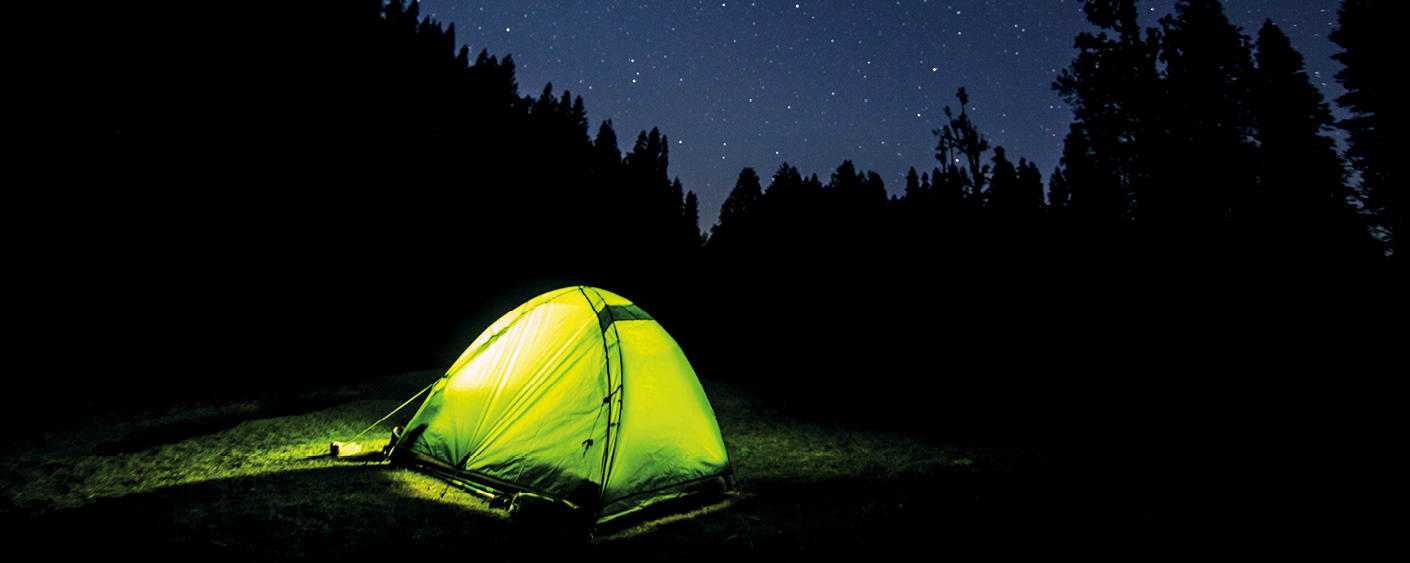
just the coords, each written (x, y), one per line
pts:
(232, 481)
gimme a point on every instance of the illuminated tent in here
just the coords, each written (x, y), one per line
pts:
(578, 398)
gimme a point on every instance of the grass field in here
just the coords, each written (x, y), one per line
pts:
(233, 482)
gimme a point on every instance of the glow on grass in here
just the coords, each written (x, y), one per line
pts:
(425, 487)
(765, 448)
(67, 475)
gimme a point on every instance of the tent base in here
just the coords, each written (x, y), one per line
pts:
(625, 513)
(474, 483)
(614, 516)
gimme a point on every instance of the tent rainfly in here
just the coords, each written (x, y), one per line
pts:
(578, 398)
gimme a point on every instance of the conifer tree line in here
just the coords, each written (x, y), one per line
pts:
(1191, 135)
(363, 171)
(343, 195)
(1190, 139)
(538, 175)
(1198, 181)
(375, 130)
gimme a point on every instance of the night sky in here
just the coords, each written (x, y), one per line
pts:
(735, 84)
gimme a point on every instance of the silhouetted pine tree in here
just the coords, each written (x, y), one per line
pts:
(913, 189)
(1004, 196)
(812, 183)
(692, 239)
(1015, 202)
(677, 194)
(687, 222)
(577, 117)
(1112, 88)
(1367, 31)
(845, 179)
(646, 164)
(1303, 210)
(785, 189)
(1033, 231)
(1098, 190)
(853, 203)
(606, 159)
(545, 105)
(787, 213)
(947, 186)
(647, 195)
(734, 229)
(1030, 187)
(1207, 167)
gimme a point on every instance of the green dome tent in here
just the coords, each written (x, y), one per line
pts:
(577, 397)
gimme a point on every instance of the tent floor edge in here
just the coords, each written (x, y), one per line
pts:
(636, 509)
(470, 481)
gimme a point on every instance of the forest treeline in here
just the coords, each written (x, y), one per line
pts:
(1201, 218)
(344, 196)
(1191, 141)
(338, 196)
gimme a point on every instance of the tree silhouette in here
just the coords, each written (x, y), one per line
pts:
(607, 157)
(1366, 31)
(690, 225)
(1111, 87)
(648, 194)
(789, 212)
(961, 140)
(845, 179)
(735, 227)
(1303, 199)
(1207, 161)
(947, 191)
(687, 222)
(786, 186)
(1005, 197)
(913, 186)
(1030, 188)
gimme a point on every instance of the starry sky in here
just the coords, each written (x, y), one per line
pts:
(735, 84)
